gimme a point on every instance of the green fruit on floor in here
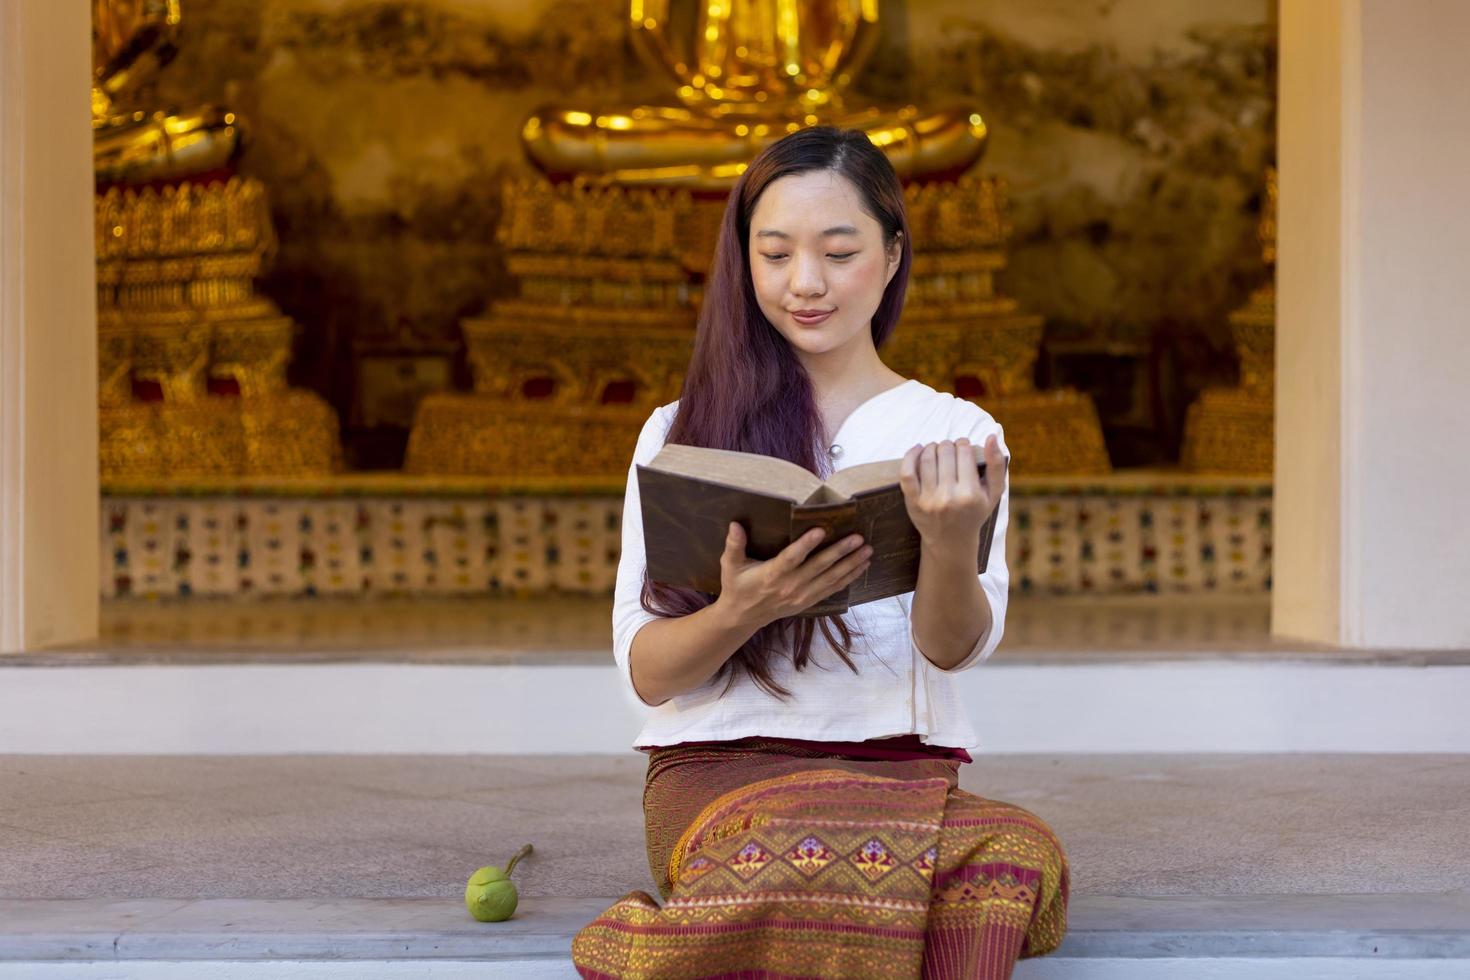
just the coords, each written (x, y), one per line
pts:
(490, 896)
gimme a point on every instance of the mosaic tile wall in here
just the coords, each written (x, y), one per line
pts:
(1095, 543)
(238, 546)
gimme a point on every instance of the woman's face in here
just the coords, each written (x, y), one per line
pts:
(818, 261)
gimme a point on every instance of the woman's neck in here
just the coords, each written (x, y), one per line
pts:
(838, 379)
(838, 394)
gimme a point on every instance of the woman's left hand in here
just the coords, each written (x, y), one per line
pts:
(945, 497)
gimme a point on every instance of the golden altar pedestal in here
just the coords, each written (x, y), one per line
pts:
(1233, 430)
(566, 372)
(192, 361)
(177, 316)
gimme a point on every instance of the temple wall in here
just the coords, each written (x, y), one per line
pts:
(1134, 134)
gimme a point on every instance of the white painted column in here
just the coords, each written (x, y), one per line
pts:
(48, 328)
(1373, 324)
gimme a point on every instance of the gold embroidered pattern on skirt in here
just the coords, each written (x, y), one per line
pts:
(832, 868)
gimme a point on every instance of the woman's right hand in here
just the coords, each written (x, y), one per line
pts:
(756, 593)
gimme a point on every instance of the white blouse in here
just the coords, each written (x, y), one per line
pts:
(897, 690)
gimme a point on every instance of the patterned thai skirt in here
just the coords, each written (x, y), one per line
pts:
(777, 858)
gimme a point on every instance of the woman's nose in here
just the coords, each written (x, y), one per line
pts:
(806, 277)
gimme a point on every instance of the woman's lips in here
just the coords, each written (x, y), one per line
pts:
(811, 317)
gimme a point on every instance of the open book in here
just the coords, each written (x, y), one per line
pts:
(690, 495)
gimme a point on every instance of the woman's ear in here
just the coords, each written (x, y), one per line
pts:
(893, 255)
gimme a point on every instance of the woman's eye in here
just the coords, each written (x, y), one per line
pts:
(840, 255)
(774, 256)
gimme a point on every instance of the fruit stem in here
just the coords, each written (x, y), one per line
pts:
(511, 865)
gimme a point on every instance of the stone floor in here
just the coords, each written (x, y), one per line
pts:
(572, 629)
(577, 630)
(469, 629)
(416, 826)
(1256, 866)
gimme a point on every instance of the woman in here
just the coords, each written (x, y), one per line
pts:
(802, 805)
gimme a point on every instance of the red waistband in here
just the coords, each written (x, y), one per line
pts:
(901, 748)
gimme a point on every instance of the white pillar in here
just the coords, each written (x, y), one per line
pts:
(1373, 324)
(48, 328)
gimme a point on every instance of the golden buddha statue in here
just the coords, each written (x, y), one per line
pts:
(131, 41)
(192, 361)
(1233, 430)
(610, 262)
(744, 73)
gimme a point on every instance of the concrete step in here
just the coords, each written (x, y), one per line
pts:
(1224, 705)
(1290, 935)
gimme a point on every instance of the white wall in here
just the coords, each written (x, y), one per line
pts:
(1373, 323)
(1407, 447)
(48, 332)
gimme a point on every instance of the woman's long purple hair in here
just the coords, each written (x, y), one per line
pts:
(746, 390)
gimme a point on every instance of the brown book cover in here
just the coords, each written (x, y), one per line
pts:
(690, 495)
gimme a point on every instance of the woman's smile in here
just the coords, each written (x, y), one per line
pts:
(810, 318)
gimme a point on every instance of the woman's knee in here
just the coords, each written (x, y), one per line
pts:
(1006, 818)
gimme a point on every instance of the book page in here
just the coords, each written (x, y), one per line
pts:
(749, 471)
(865, 476)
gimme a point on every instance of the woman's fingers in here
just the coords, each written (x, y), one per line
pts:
(827, 557)
(735, 543)
(929, 466)
(967, 475)
(908, 471)
(797, 551)
(944, 457)
(995, 470)
(840, 573)
(846, 580)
